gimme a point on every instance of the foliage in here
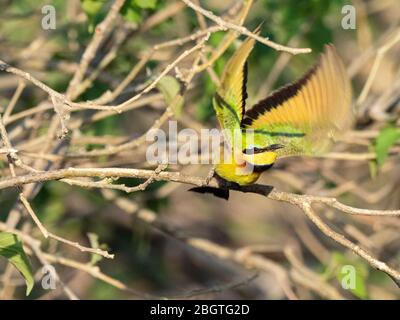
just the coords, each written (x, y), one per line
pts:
(11, 249)
(387, 137)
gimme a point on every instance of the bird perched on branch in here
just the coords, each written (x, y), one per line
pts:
(301, 118)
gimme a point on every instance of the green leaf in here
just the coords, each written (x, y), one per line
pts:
(343, 266)
(372, 164)
(359, 290)
(131, 14)
(94, 243)
(384, 141)
(11, 248)
(130, 11)
(92, 7)
(373, 169)
(146, 4)
(170, 89)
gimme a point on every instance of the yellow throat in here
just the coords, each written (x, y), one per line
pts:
(244, 168)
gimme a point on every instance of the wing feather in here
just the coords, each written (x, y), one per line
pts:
(305, 115)
(229, 102)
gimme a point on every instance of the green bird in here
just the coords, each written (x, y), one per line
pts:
(301, 118)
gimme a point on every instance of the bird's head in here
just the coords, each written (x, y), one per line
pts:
(261, 158)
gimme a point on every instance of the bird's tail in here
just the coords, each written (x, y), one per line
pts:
(218, 192)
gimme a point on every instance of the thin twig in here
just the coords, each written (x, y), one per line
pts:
(379, 56)
(100, 32)
(228, 25)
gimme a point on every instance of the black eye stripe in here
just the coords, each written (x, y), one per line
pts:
(256, 150)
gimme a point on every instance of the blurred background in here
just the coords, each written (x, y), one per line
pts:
(174, 243)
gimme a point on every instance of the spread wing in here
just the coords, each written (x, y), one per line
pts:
(230, 98)
(306, 115)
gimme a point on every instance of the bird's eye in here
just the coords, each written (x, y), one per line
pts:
(251, 150)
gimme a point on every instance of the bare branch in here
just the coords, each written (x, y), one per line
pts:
(228, 25)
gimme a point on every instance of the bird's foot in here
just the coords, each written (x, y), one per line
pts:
(210, 175)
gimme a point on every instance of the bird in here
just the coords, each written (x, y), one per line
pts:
(299, 119)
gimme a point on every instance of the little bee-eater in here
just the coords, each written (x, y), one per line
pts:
(301, 118)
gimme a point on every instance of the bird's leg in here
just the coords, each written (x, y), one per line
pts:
(210, 175)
